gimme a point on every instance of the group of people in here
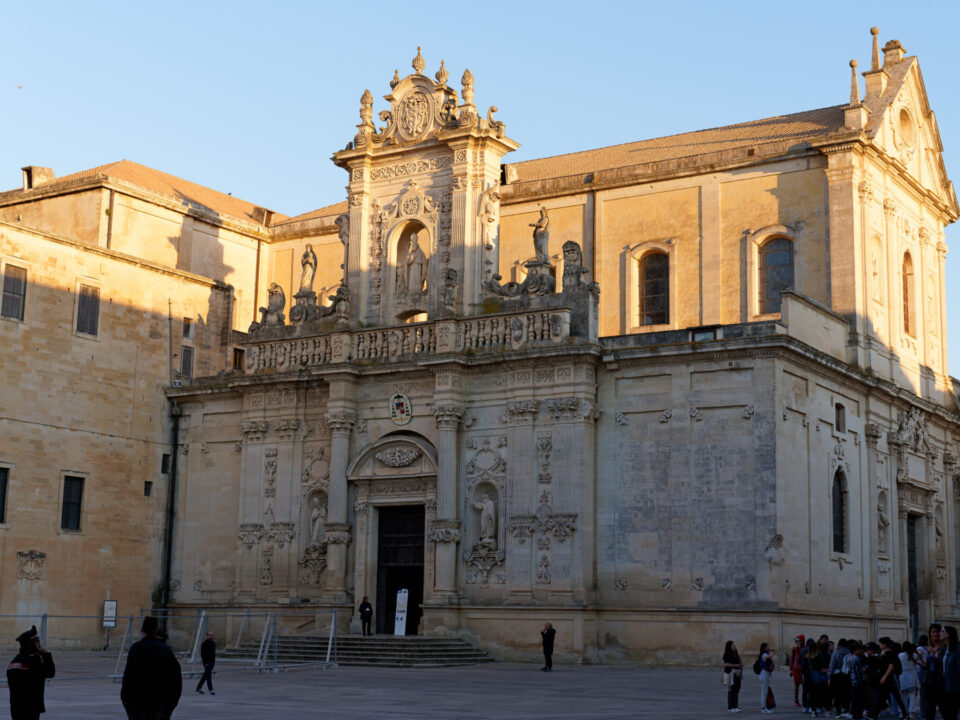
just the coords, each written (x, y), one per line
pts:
(853, 679)
(152, 681)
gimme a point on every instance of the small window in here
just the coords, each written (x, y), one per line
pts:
(187, 328)
(776, 272)
(655, 289)
(840, 418)
(4, 473)
(186, 361)
(147, 488)
(88, 310)
(72, 501)
(14, 292)
(238, 358)
(165, 464)
(909, 319)
(839, 512)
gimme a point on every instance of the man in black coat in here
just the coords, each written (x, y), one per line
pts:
(208, 656)
(547, 635)
(366, 615)
(151, 681)
(26, 675)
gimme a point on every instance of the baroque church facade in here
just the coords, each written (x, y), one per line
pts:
(694, 382)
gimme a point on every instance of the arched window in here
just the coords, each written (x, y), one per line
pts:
(776, 272)
(909, 319)
(839, 512)
(655, 289)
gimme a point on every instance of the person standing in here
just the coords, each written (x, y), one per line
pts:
(546, 636)
(890, 671)
(764, 667)
(853, 669)
(796, 654)
(366, 615)
(838, 685)
(932, 685)
(208, 656)
(909, 679)
(951, 672)
(27, 674)
(733, 670)
(152, 683)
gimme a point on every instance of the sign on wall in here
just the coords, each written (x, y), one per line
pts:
(109, 614)
(400, 621)
(401, 410)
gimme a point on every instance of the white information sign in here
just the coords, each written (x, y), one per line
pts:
(109, 614)
(400, 623)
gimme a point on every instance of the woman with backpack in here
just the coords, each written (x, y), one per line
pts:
(732, 675)
(764, 667)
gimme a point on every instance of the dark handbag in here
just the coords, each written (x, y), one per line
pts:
(770, 703)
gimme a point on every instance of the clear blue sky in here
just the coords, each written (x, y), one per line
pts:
(252, 98)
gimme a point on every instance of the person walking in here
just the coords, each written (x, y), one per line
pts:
(546, 636)
(733, 674)
(890, 671)
(208, 656)
(909, 679)
(27, 674)
(152, 683)
(796, 654)
(366, 615)
(764, 667)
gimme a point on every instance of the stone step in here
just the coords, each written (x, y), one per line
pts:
(382, 650)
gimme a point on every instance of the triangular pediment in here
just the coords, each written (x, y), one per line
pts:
(904, 127)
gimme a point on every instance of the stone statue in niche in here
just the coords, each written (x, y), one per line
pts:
(309, 263)
(488, 214)
(883, 522)
(318, 513)
(541, 237)
(488, 521)
(412, 270)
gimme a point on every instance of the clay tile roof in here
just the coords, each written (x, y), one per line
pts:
(328, 211)
(184, 191)
(802, 126)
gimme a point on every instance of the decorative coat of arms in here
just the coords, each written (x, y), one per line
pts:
(414, 114)
(401, 410)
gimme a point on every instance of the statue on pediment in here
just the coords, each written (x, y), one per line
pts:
(308, 261)
(541, 237)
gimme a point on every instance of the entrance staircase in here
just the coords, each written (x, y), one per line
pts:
(376, 650)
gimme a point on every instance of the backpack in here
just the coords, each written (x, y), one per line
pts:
(758, 665)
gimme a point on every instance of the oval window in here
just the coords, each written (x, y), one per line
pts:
(907, 131)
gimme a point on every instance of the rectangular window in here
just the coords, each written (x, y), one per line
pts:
(238, 358)
(14, 292)
(147, 488)
(72, 500)
(88, 310)
(186, 361)
(165, 463)
(187, 328)
(4, 473)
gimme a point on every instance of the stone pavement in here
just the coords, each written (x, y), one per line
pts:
(495, 690)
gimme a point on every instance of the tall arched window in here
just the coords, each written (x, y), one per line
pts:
(839, 512)
(655, 289)
(776, 272)
(909, 319)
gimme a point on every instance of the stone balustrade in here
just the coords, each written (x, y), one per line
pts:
(473, 335)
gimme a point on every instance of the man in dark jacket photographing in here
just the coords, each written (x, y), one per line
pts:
(26, 675)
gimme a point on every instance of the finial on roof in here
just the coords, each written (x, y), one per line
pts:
(418, 62)
(875, 58)
(442, 74)
(396, 79)
(893, 52)
(366, 106)
(467, 81)
(854, 85)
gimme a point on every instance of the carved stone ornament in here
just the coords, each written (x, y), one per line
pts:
(523, 526)
(543, 570)
(571, 409)
(312, 563)
(266, 567)
(401, 411)
(484, 559)
(912, 431)
(272, 315)
(250, 534)
(448, 416)
(520, 413)
(337, 533)
(574, 270)
(30, 565)
(398, 457)
(445, 531)
(254, 430)
(281, 533)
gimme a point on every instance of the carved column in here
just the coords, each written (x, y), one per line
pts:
(448, 419)
(337, 530)
(525, 479)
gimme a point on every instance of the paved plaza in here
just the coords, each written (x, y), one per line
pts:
(496, 690)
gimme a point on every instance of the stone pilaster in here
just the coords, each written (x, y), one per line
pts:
(521, 499)
(340, 418)
(448, 419)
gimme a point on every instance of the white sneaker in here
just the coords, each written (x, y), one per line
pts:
(735, 710)
(767, 711)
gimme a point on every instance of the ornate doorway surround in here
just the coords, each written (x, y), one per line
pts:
(397, 469)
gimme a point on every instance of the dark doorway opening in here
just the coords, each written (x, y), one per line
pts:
(399, 565)
(912, 589)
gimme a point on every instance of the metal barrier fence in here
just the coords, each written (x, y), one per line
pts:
(247, 639)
